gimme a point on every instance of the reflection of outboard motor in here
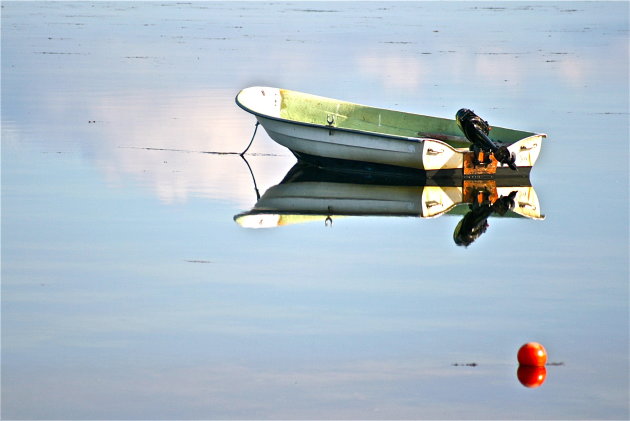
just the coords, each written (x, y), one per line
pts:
(476, 130)
(475, 222)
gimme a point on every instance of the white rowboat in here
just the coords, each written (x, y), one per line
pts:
(330, 132)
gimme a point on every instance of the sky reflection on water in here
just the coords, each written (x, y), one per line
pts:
(129, 292)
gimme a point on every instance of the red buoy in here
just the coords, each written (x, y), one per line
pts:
(532, 354)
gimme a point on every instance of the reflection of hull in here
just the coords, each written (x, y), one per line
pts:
(303, 196)
(330, 132)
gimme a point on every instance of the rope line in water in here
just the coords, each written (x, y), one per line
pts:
(208, 152)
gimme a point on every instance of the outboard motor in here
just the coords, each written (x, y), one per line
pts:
(476, 131)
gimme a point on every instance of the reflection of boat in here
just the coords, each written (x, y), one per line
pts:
(330, 132)
(312, 194)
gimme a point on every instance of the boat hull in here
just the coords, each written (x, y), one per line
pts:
(438, 174)
(344, 145)
(330, 147)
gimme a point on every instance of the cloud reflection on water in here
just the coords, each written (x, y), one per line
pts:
(168, 141)
(177, 144)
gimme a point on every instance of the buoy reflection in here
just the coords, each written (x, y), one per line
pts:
(531, 376)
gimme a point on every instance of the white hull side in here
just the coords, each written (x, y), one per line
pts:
(422, 154)
(363, 147)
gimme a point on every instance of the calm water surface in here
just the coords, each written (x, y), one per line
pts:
(129, 291)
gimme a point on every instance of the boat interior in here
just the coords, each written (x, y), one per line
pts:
(316, 110)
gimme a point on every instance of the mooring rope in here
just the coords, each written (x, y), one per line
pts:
(251, 141)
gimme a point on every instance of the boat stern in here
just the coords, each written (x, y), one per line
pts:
(526, 150)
